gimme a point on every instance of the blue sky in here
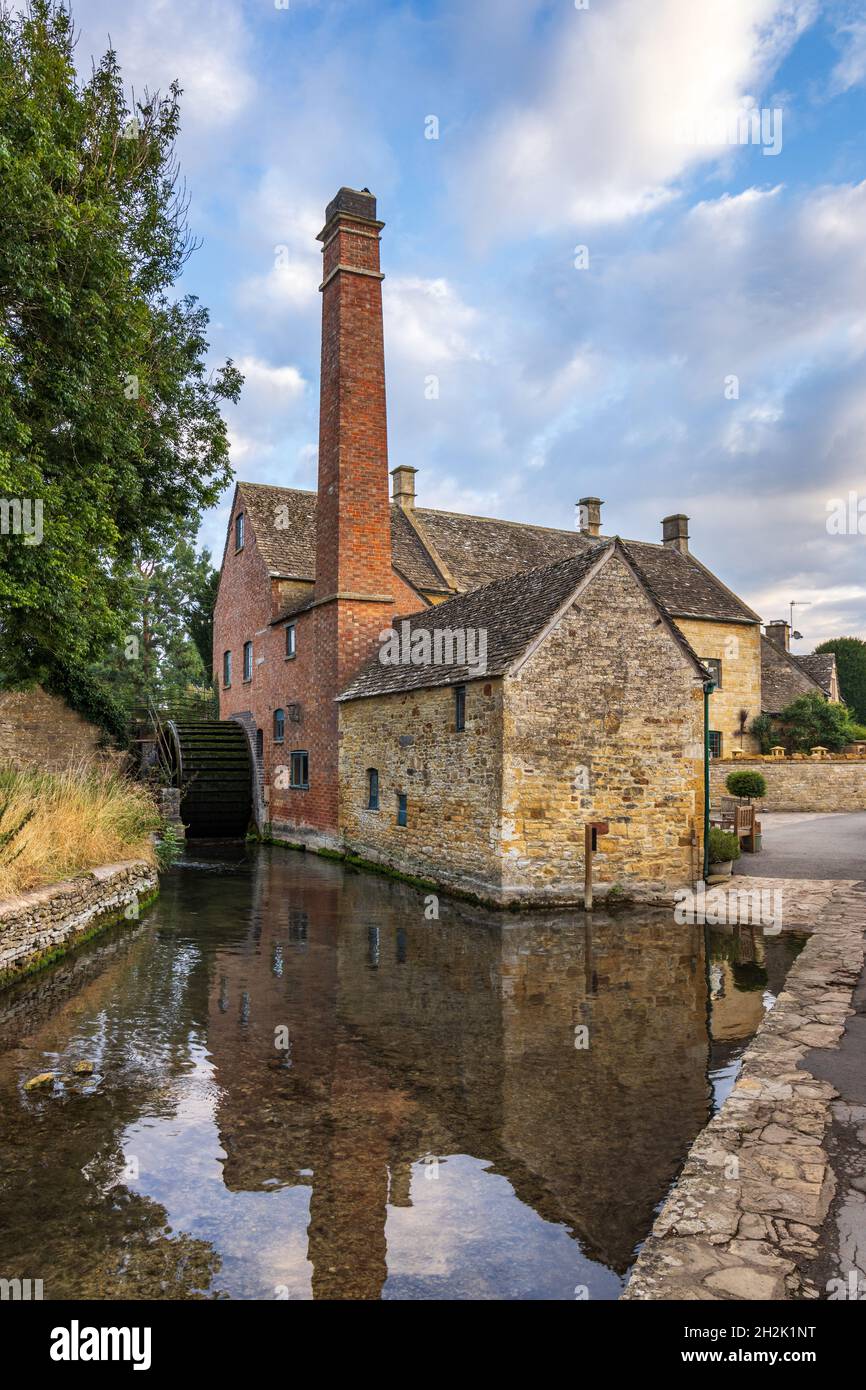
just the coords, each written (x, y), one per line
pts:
(558, 128)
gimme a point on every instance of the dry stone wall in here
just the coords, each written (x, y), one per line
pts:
(37, 926)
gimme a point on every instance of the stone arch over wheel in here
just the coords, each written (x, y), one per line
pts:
(210, 762)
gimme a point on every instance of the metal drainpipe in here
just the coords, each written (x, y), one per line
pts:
(709, 687)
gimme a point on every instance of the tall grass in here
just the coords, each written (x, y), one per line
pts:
(54, 825)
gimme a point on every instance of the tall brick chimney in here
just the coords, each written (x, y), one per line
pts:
(675, 532)
(353, 597)
(353, 536)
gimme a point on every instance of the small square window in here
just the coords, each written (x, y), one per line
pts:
(239, 531)
(459, 708)
(299, 776)
(715, 744)
(291, 640)
(248, 661)
(402, 808)
(372, 789)
(714, 666)
(227, 669)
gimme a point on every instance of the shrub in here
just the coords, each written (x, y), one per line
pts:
(810, 720)
(746, 783)
(763, 730)
(724, 845)
(63, 823)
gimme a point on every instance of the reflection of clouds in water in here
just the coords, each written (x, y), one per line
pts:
(467, 1235)
(261, 1236)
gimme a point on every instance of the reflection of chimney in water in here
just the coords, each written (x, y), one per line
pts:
(400, 1190)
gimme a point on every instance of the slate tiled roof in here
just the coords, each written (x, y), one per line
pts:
(820, 666)
(477, 550)
(783, 678)
(284, 522)
(512, 612)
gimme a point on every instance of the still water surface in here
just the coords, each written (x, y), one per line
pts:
(435, 1127)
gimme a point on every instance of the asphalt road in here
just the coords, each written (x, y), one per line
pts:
(806, 844)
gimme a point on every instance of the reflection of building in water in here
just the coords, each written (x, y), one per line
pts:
(738, 980)
(411, 1039)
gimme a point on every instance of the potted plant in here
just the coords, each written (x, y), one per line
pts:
(724, 849)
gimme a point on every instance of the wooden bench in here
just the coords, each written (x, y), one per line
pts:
(738, 817)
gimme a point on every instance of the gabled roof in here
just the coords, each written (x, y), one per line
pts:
(820, 667)
(783, 678)
(513, 612)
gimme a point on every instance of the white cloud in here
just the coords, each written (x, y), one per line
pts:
(429, 323)
(270, 385)
(203, 43)
(850, 71)
(593, 138)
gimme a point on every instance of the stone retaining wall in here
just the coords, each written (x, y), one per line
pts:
(834, 784)
(40, 729)
(744, 1218)
(36, 927)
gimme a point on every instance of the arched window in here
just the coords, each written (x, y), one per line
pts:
(372, 789)
(227, 669)
(279, 725)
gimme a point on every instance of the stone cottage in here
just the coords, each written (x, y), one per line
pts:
(310, 580)
(583, 704)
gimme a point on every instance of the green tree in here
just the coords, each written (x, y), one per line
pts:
(203, 587)
(851, 665)
(110, 425)
(158, 658)
(810, 721)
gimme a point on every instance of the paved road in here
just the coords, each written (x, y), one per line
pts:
(799, 844)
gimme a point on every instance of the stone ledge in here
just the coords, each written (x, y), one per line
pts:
(744, 1217)
(37, 927)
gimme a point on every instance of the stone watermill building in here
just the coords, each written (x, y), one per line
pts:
(534, 680)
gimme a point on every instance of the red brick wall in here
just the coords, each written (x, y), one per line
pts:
(332, 640)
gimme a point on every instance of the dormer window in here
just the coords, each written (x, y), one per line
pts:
(291, 640)
(239, 531)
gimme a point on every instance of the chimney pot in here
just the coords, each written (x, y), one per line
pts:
(404, 486)
(779, 633)
(675, 532)
(589, 515)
